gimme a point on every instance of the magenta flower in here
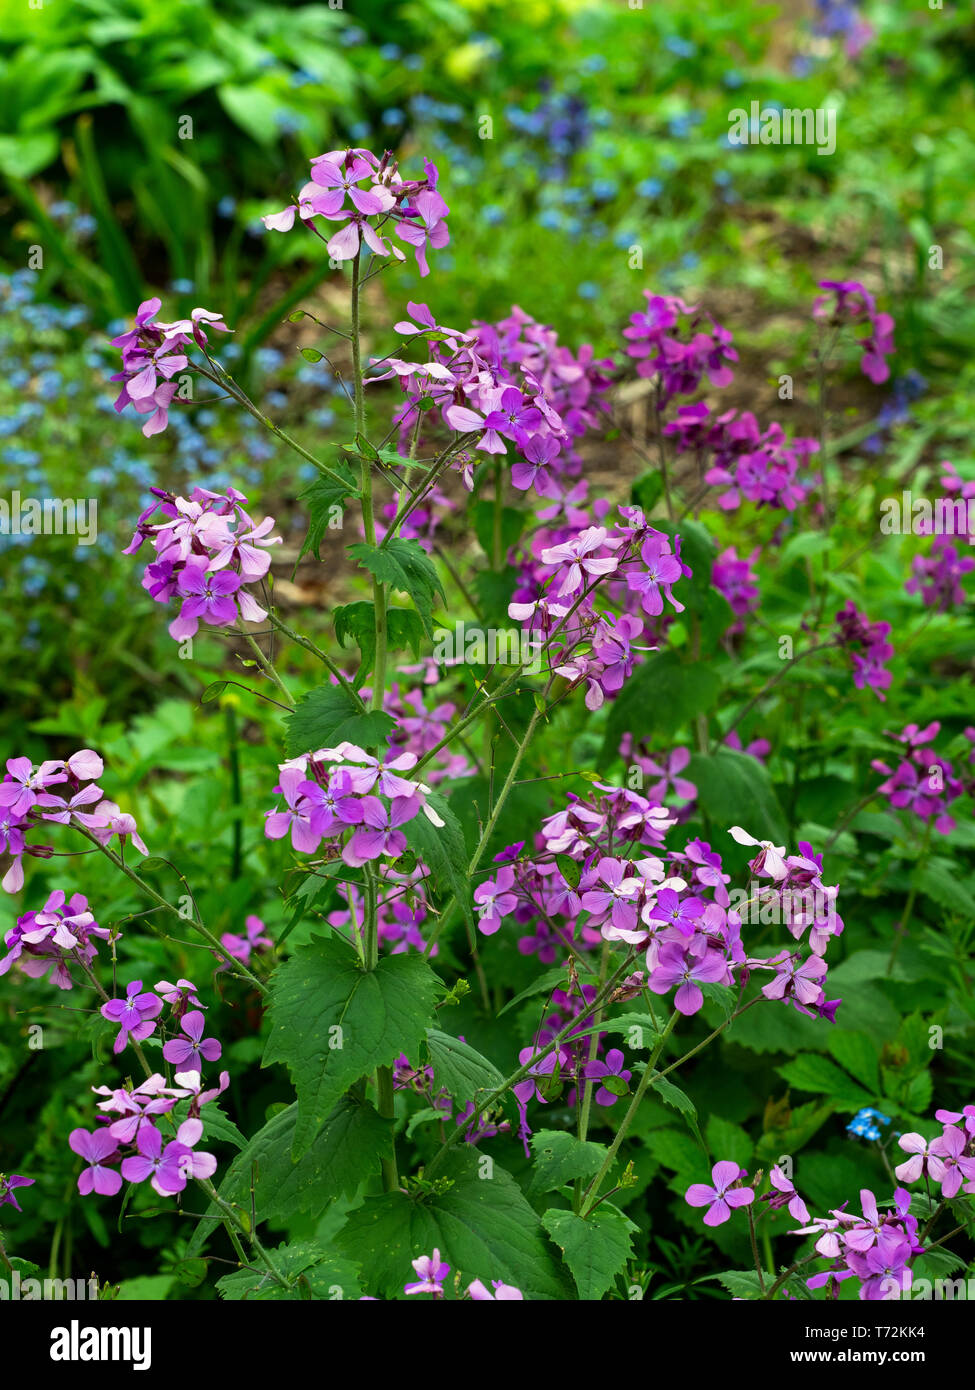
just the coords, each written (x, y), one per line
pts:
(7, 1185)
(95, 1149)
(801, 982)
(207, 595)
(723, 1197)
(947, 1162)
(134, 1014)
(653, 583)
(615, 899)
(614, 1065)
(784, 1194)
(21, 787)
(187, 1051)
(432, 1272)
(577, 558)
(378, 835)
(502, 1292)
(241, 947)
(674, 967)
(305, 837)
(494, 900)
(161, 1166)
(682, 913)
(917, 1146)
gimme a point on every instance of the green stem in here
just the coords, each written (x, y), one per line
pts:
(239, 970)
(522, 1071)
(266, 665)
(592, 1191)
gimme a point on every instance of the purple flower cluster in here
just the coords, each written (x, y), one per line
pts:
(737, 581)
(167, 1159)
(752, 464)
(635, 565)
(673, 906)
(207, 550)
(847, 301)
(366, 195)
(61, 934)
(26, 801)
(492, 403)
(348, 798)
(948, 1159)
(680, 345)
(136, 1143)
(875, 1248)
(152, 354)
(431, 1272)
(401, 908)
(922, 782)
(868, 647)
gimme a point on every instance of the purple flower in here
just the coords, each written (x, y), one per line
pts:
(502, 1292)
(7, 1184)
(612, 1066)
(186, 1052)
(160, 1165)
(785, 1195)
(432, 1272)
(95, 1149)
(653, 583)
(615, 899)
(494, 900)
(133, 1014)
(674, 967)
(241, 947)
(378, 834)
(682, 913)
(723, 1197)
(206, 595)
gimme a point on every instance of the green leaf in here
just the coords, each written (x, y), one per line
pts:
(328, 715)
(482, 1226)
(639, 1030)
(551, 980)
(443, 851)
(358, 621)
(346, 1151)
(253, 109)
(810, 1072)
(311, 1272)
(740, 1283)
(512, 524)
(727, 1140)
(859, 1054)
(595, 1248)
(333, 1022)
(216, 1126)
(459, 1067)
(321, 497)
(405, 566)
(663, 695)
(732, 787)
(560, 1158)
